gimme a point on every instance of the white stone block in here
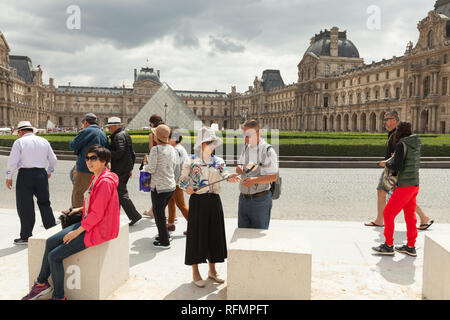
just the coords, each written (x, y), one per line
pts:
(268, 265)
(92, 274)
(436, 267)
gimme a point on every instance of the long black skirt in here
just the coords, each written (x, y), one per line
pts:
(206, 239)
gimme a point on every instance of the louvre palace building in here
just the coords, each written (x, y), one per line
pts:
(335, 90)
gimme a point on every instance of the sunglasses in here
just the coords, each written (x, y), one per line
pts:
(91, 158)
(386, 119)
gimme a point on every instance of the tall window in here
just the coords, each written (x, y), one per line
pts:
(325, 102)
(397, 93)
(426, 86)
(386, 93)
(444, 86)
(430, 39)
(341, 69)
(327, 70)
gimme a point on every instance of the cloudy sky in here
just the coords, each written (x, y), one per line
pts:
(197, 44)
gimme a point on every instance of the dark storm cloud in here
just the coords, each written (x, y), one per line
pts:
(270, 27)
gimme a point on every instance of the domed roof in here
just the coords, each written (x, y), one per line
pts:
(320, 45)
(147, 74)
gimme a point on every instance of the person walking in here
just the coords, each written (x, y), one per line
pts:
(206, 238)
(255, 200)
(100, 223)
(406, 162)
(90, 134)
(391, 121)
(123, 158)
(154, 121)
(178, 196)
(162, 166)
(36, 161)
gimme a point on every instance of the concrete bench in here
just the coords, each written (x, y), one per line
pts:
(436, 267)
(268, 265)
(91, 274)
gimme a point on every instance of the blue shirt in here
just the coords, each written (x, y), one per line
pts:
(83, 140)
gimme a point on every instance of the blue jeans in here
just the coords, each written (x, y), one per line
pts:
(55, 252)
(255, 212)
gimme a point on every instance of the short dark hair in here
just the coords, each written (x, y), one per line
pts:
(156, 120)
(175, 135)
(103, 154)
(251, 124)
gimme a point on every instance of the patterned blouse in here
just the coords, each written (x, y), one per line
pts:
(197, 173)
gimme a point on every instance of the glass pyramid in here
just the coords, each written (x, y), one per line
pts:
(177, 114)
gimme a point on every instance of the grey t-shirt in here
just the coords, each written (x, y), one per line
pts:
(255, 155)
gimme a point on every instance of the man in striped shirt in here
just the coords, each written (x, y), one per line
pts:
(36, 161)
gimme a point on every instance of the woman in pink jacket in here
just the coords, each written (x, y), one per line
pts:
(100, 223)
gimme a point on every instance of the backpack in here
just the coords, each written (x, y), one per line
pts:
(275, 187)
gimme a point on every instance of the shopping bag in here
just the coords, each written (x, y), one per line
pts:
(145, 179)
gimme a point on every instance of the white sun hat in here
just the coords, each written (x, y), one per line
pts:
(25, 125)
(207, 134)
(114, 121)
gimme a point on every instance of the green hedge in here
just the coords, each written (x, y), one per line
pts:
(322, 144)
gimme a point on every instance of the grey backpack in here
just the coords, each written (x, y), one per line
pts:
(275, 187)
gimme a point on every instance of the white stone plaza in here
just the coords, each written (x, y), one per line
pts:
(342, 265)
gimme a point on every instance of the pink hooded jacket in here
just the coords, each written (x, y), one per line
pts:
(102, 222)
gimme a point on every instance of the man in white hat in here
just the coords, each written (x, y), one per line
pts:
(36, 161)
(122, 163)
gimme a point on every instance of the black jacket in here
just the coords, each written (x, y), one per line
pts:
(390, 144)
(122, 153)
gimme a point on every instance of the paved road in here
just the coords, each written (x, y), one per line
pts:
(307, 194)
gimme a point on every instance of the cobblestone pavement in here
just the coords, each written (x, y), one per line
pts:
(307, 194)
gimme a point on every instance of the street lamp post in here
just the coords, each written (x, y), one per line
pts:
(165, 112)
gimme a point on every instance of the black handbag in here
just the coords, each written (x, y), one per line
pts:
(67, 220)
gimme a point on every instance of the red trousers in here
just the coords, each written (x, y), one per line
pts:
(402, 198)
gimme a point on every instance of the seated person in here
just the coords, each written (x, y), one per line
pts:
(100, 223)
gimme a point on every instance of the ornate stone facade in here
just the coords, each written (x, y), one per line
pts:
(335, 90)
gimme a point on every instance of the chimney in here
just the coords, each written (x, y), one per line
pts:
(51, 82)
(334, 41)
(135, 74)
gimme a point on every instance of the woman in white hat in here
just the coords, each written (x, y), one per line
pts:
(206, 227)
